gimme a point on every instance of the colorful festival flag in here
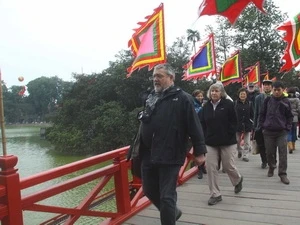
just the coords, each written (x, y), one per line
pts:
(266, 76)
(231, 70)
(148, 42)
(227, 8)
(291, 57)
(253, 76)
(203, 63)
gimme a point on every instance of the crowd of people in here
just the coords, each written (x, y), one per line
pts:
(269, 117)
(220, 130)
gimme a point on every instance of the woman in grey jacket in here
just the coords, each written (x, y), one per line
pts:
(295, 105)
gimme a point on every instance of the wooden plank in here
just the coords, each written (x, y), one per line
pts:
(263, 200)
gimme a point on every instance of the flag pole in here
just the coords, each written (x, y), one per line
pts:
(2, 119)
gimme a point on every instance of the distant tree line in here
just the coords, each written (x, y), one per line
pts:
(97, 112)
(40, 105)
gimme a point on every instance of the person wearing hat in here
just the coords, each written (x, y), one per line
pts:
(258, 135)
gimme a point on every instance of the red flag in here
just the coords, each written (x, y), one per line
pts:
(227, 8)
(231, 70)
(253, 76)
(266, 76)
(291, 57)
(148, 42)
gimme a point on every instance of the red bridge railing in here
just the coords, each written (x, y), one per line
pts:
(126, 191)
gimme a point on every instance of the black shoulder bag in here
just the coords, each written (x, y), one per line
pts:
(133, 154)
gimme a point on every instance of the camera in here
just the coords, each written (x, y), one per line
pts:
(145, 115)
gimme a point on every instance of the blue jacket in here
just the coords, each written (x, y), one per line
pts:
(197, 105)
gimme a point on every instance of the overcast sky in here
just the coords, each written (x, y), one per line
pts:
(59, 37)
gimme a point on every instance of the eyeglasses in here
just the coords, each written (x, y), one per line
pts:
(158, 76)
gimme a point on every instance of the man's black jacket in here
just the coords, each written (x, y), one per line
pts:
(172, 122)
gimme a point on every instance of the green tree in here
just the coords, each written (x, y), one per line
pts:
(178, 55)
(130, 90)
(193, 36)
(16, 107)
(256, 36)
(223, 38)
(92, 119)
(45, 94)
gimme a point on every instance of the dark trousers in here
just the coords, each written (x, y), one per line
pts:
(259, 137)
(159, 185)
(274, 139)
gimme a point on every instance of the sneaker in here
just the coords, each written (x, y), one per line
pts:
(271, 172)
(239, 155)
(239, 186)
(200, 174)
(264, 165)
(214, 200)
(284, 179)
(178, 213)
(245, 159)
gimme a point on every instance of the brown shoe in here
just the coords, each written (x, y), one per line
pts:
(271, 172)
(284, 179)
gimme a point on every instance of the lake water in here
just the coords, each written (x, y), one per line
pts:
(34, 156)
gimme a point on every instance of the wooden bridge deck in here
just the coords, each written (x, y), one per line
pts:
(263, 200)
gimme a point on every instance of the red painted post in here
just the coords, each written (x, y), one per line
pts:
(9, 178)
(122, 186)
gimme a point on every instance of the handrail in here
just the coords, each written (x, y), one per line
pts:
(71, 167)
(129, 197)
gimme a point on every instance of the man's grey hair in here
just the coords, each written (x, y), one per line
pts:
(167, 68)
(218, 86)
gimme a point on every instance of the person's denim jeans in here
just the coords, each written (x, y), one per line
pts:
(159, 185)
(292, 134)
